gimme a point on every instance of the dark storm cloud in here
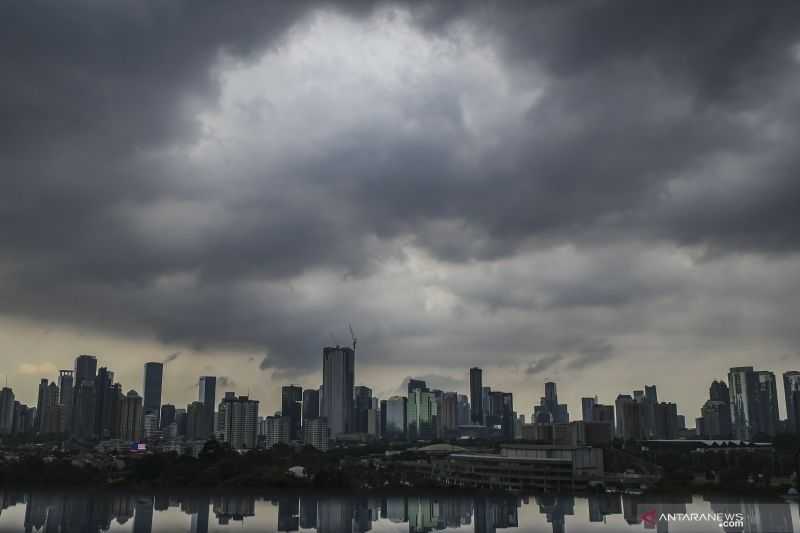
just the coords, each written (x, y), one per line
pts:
(665, 122)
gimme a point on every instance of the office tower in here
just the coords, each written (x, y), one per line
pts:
(196, 421)
(648, 405)
(103, 382)
(603, 413)
(374, 423)
(718, 392)
(767, 403)
(150, 427)
(716, 420)
(486, 406)
(83, 412)
(85, 368)
(53, 416)
(396, 418)
(291, 408)
(6, 411)
(41, 406)
(131, 420)
(476, 394)
(277, 430)
(587, 405)
(240, 422)
(791, 393)
(362, 402)
(507, 415)
(743, 387)
(449, 412)
(414, 384)
(316, 433)
(666, 420)
(67, 398)
(310, 404)
(421, 411)
(24, 418)
(153, 377)
(754, 402)
(338, 375)
(167, 415)
(115, 403)
(549, 411)
(207, 396)
(628, 418)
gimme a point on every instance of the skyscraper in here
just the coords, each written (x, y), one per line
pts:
(67, 398)
(395, 418)
(744, 412)
(420, 415)
(83, 412)
(153, 376)
(767, 403)
(167, 415)
(628, 418)
(476, 394)
(6, 411)
(791, 393)
(587, 405)
(85, 368)
(291, 398)
(549, 411)
(207, 396)
(362, 403)
(316, 433)
(131, 420)
(414, 384)
(240, 422)
(310, 404)
(338, 376)
(103, 410)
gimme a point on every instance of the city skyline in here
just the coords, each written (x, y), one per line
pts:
(601, 194)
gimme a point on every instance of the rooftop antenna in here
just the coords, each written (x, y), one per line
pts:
(353, 336)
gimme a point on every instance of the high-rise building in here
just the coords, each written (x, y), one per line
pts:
(414, 384)
(277, 430)
(310, 404)
(603, 413)
(85, 368)
(628, 418)
(6, 411)
(666, 421)
(316, 433)
(718, 392)
(744, 411)
(103, 412)
(476, 394)
(66, 385)
(421, 413)
(132, 417)
(464, 415)
(587, 405)
(396, 418)
(767, 402)
(549, 411)
(207, 396)
(716, 420)
(150, 427)
(362, 402)
(449, 412)
(196, 421)
(240, 421)
(41, 406)
(791, 393)
(291, 407)
(338, 375)
(153, 377)
(167, 415)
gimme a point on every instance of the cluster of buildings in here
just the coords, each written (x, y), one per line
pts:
(87, 404)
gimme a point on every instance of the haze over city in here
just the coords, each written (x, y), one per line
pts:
(598, 194)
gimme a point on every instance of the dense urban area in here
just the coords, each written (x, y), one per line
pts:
(84, 428)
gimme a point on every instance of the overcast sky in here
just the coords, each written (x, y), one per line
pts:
(604, 194)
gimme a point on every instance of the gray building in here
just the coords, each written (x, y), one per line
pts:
(239, 421)
(291, 407)
(310, 404)
(153, 377)
(754, 402)
(338, 376)
(395, 417)
(207, 396)
(476, 394)
(6, 411)
(66, 385)
(791, 393)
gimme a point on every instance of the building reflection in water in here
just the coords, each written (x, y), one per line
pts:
(51, 512)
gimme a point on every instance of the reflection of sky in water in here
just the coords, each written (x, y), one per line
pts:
(119, 512)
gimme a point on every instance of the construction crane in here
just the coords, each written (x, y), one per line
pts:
(353, 336)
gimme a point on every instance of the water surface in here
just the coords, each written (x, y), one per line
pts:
(82, 511)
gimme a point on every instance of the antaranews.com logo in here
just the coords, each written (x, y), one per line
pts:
(723, 520)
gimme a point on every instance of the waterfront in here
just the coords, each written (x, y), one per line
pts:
(90, 512)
